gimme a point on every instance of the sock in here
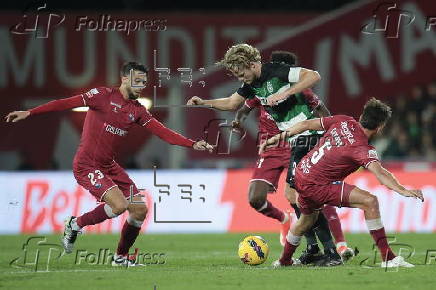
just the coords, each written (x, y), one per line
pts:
(285, 218)
(334, 223)
(310, 234)
(129, 233)
(95, 216)
(270, 211)
(378, 233)
(291, 245)
(322, 230)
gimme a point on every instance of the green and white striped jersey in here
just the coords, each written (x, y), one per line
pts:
(275, 78)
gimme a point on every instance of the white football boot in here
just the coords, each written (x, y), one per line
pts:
(398, 261)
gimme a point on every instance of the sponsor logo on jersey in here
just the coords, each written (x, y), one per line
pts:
(116, 106)
(91, 92)
(115, 130)
(347, 133)
(372, 154)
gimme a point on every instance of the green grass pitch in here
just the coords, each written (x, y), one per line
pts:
(209, 261)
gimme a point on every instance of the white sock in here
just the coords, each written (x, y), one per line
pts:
(293, 240)
(374, 224)
(286, 218)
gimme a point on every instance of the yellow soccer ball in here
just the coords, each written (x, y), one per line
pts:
(253, 250)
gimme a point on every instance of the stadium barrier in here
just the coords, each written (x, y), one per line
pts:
(196, 201)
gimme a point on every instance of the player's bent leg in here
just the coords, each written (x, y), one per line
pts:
(312, 253)
(257, 197)
(369, 204)
(130, 231)
(293, 239)
(115, 205)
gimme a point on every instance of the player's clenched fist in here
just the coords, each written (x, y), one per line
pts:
(17, 116)
(202, 146)
(195, 101)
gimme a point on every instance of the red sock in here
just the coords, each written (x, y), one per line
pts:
(288, 251)
(272, 212)
(334, 223)
(128, 237)
(95, 216)
(379, 237)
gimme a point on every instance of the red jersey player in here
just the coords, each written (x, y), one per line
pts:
(112, 112)
(320, 174)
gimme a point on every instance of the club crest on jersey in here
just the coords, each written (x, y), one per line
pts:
(131, 117)
(269, 87)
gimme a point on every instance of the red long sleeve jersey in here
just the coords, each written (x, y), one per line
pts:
(107, 122)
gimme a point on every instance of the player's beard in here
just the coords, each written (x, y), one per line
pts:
(132, 96)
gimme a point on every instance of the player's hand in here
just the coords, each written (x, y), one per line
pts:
(203, 146)
(271, 142)
(415, 193)
(276, 99)
(17, 116)
(195, 101)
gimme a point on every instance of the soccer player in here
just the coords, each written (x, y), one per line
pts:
(112, 112)
(320, 174)
(278, 87)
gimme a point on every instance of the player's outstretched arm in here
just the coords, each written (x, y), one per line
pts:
(231, 103)
(306, 79)
(388, 179)
(300, 127)
(174, 138)
(52, 106)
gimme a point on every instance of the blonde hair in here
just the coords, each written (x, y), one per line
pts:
(240, 56)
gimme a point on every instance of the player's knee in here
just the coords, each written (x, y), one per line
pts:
(371, 201)
(140, 213)
(119, 208)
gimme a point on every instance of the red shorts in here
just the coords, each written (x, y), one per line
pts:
(270, 165)
(99, 179)
(312, 197)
